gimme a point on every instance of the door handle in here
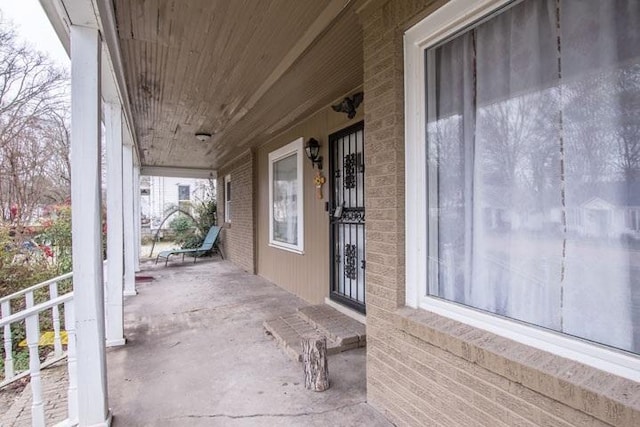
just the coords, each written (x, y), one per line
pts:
(338, 212)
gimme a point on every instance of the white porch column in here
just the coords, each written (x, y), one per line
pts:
(136, 218)
(86, 227)
(129, 229)
(115, 240)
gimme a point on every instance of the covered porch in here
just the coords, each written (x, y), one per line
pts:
(197, 354)
(199, 91)
(237, 91)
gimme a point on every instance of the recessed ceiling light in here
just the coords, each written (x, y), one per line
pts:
(203, 136)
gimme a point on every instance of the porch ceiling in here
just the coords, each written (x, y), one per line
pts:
(242, 70)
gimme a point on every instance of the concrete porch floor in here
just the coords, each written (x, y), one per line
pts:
(197, 355)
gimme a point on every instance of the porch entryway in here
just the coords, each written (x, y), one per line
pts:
(197, 355)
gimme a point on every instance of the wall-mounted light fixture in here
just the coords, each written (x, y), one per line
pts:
(203, 136)
(312, 149)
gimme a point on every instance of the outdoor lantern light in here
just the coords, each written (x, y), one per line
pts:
(313, 150)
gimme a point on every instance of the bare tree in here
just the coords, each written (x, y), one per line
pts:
(58, 138)
(34, 131)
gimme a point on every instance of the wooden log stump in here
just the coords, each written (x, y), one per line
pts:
(314, 361)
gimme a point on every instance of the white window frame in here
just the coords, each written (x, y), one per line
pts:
(295, 147)
(444, 22)
(227, 200)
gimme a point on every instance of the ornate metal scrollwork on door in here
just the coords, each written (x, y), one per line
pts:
(347, 216)
(350, 258)
(353, 216)
(350, 170)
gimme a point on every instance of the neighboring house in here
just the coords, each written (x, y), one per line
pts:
(608, 210)
(160, 195)
(451, 192)
(597, 213)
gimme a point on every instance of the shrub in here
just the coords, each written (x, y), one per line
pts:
(56, 234)
(21, 265)
(183, 228)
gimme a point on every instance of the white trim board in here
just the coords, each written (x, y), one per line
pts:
(178, 172)
(443, 23)
(295, 147)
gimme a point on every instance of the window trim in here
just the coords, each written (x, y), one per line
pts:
(294, 147)
(227, 201)
(443, 23)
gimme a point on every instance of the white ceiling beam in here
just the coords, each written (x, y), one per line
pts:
(110, 93)
(110, 35)
(59, 21)
(82, 13)
(96, 14)
(177, 172)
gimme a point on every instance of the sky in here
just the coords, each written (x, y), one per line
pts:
(34, 28)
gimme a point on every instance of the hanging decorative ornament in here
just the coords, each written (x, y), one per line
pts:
(319, 181)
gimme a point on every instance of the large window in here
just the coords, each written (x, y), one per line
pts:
(286, 229)
(529, 132)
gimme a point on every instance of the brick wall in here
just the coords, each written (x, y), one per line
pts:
(424, 369)
(238, 236)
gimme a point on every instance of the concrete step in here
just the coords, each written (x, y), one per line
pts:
(335, 325)
(342, 332)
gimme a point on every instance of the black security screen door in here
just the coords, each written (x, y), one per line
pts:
(347, 216)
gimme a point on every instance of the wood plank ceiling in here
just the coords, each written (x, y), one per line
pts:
(239, 69)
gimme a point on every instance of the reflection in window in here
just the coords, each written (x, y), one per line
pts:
(285, 199)
(533, 122)
(285, 195)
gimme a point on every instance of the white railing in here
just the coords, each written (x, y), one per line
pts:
(31, 316)
(26, 297)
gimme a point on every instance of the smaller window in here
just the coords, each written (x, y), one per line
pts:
(184, 198)
(227, 198)
(286, 225)
(184, 193)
